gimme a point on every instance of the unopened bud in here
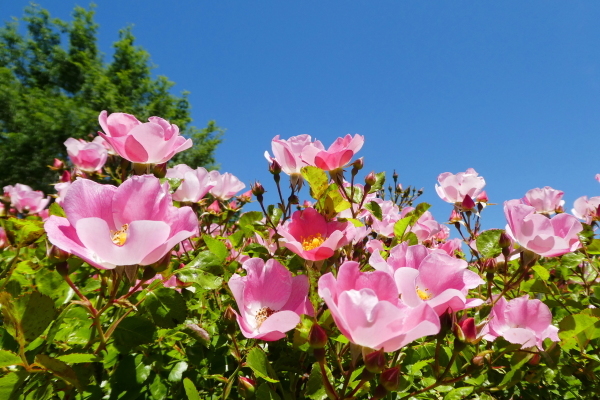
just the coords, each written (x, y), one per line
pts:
(317, 337)
(504, 240)
(62, 268)
(246, 387)
(160, 170)
(148, 274)
(482, 357)
(275, 168)
(66, 176)
(293, 199)
(395, 176)
(246, 196)
(482, 197)
(379, 393)
(214, 207)
(56, 254)
(357, 166)
(465, 330)
(257, 189)
(230, 319)
(375, 361)
(370, 179)
(455, 217)
(467, 203)
(390, 379)
(57, 165)
(535, 360)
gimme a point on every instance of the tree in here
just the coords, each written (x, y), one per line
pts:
(51, 90)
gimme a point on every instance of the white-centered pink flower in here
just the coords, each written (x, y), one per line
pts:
(270, 300)
(366, 308)
(453, 188)
(225, 185)
(520, 321)
(195, 184)
(545, 200)
(548, 237)
(86, 156)
(107, 226)
(336, 156)
(288, 153)
(25, 199)
(153, 142)
(587, 209)
(312, 237)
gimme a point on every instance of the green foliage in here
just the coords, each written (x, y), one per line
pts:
(55, 83)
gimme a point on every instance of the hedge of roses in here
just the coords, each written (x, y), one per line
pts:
(142, 281)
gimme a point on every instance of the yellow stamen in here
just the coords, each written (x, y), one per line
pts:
(119, 237)
(423, 294)
(312, 242)
(263, 314)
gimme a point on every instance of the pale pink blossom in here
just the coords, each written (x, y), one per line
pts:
(195, 184)
(86, 156)
(288, 153)
(366, 309)
(25, 199)
(390, 215)
(336, 156)
(225, 185)
(312, 237)
(520, 321)
(401, 256)
(587, 209)
(548, 237)
(270, 300)
(153, 142)
(107, 226)
(439, 280)
(597, 177)
(453, 188)
(62, 188)
(109, 149)
(426, 227)
(545, 200)
(450, 247)
(3, 238)
(374, 245)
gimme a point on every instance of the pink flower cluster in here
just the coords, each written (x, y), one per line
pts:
(26, 200)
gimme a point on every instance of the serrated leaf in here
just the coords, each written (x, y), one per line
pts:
(56, 209)
(317, 180)
(357, 223)
(258, 362)
(379, 182)
(216, 247)
(375, 209)
(77, 358)
(459, 393)
(190, 390)
(315, 389)
(274, 213)
(594, 247)
(8, 358)
(167, 307)
(542, 272)
(400, 227)
(10, 383)
(59, 369)
(249, 218)
(488, 243)
(177, 371)
(134, 331)
(579, 329)
(571, 259)
(205, 261)
(28, 315)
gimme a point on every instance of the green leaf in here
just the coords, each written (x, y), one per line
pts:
(166, 306)
(258, 362)
(488, 243)
(418, 212)
(206, 261)
(315, 389)
(249, 218)
(593, 247)
(10, 383)
(400, 227)
(571, 259)
(264, 392)
(77, 358)
(134, 331)
(459, 393)
(375, 209)
(274, 213)
(216, 247)
(317, 180)
(190, 390)
(579, 329)
(8, 358)
(56, 209)
(142, 369)
(158, 389)
(357, 223)
(177, 371)
(205, 280)
(542, 272)
(379, 181)
(27, 231)
(27, 316)
(59, 369)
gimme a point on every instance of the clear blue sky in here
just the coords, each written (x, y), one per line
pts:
(509, 88)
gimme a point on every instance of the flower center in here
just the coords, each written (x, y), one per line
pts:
(312, 242)
(119, 237)
(263, 314)
(423, 294)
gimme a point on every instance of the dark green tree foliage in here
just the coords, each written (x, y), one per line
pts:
(54, 83)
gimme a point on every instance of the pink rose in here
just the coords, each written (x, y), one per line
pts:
(336, 156)
(545, 200)
(453, 188)
(87, 156)
(225, 185)
(366, 308)
(270, 300)
(312, 237)
(25, 199)
(521, 321)
(107, 226)
(586, 209)
(548, 237)
(195, 184)
(153, 142)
